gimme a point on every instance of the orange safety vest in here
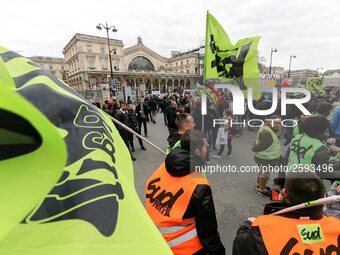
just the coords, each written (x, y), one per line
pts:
(167, 198)
(286, 236)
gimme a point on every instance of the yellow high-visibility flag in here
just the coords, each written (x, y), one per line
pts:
(315, 85)
(225, 61)
(93, 208)
(32, 156)
(203, 90)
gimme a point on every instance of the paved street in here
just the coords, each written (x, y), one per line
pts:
(234, 193)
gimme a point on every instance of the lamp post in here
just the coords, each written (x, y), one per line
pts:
(271, 57)
(290, 63)
(107, 28)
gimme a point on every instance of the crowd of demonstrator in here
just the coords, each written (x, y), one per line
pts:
(184, 209)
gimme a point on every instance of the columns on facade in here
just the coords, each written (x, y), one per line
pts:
(142, 88)
(134, 84)
(123, 84)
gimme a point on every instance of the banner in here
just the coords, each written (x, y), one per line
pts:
(315, 85)
(226, 61)
(93, 208)
(204, 90)
(32, 157)
(268, 81)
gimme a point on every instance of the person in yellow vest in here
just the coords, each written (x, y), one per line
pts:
(179, 200)
(267, 150)
(307, 150)
(300, 232)
(184, 122)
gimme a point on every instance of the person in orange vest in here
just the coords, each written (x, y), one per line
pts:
(179, 200)
(302, 232)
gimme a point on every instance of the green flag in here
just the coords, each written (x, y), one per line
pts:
(203, 90)
(315, 85)
(93, 208)
(32, 156)
(225, 61)
(169, 92)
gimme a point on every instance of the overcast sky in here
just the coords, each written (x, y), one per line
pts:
(307, 29)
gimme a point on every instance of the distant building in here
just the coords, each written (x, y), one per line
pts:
(201, 51)
(198, 51)
(300, 76)
(175, 52)
(55, 66)
(87, 59)
(332, 78)
(187, 62)
(277, 70)
(331, 72)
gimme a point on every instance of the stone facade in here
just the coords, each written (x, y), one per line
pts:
(277, 70)
(87, 62)
(300, 76)
(331, 72)
(332, 78)
(54, 65)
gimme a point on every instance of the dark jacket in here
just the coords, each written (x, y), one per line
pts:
(209, 119)
(288, 132)
(201, 206)
(139, 116)
(249, 240)
(196, 113)
(265, 141)
(153, 104)
(133, 122)
(171, 117)
(174, 139)
(321, 159)
(123, 118)
(163, 105)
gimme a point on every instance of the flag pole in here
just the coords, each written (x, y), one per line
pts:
(321, 201)
(204, 108)
(135, 133)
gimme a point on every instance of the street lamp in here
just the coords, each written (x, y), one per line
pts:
(290, 63)
(107, 28)
(271, 57)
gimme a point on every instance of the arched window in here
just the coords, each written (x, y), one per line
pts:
(141, 64)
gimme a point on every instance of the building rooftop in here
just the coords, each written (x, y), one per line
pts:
(330, 72)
